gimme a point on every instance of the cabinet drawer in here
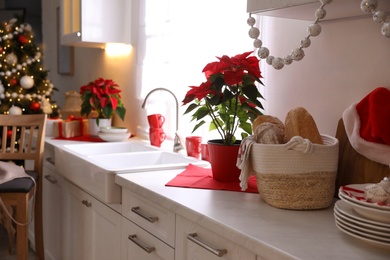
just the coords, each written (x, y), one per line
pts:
(48, 158)
(137, 243)
(152, 217)
(196, 242)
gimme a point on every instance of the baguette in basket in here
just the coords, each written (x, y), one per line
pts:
(298, 174)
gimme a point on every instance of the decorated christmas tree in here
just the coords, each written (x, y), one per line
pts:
(24, 87)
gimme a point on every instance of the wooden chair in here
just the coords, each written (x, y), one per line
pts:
(22, 138)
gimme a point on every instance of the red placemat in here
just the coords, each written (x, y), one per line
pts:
(83, 138)
(198, 177)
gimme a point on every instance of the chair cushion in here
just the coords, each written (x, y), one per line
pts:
(22, 185)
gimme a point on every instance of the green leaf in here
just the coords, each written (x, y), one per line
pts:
(247, 127)
(190, 108)
(244, 135)
(214, 100)
(201, 112)
(251, 92)
(121, 111)
(198, 125)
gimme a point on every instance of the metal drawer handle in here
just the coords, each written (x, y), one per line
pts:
(51, 179)
(137, 211)
(50, 160)
(217, 252)
(135, 240)
(86, 203)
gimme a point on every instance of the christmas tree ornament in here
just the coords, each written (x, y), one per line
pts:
(23, 39)
(15, 110)
(9, 133)
(35, 106)
(13, 82)
(27, 82)
(11, 58)
(27, 27)
(46, 106)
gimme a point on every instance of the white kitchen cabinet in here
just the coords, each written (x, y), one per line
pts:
(52, 207)
(91, 23)
(195, 242)
(305, 9)
(150, 216)
(91, 229)
(137, 243)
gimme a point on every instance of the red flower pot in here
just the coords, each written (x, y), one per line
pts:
(223, 159)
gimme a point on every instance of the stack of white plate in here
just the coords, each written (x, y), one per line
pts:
(114, 133)
(360, 218)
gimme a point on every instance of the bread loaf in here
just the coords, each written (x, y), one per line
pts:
(266, 118)
(269, 133)
(299, 122)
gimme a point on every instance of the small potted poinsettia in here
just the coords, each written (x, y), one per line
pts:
(230, 97)
(102, 96)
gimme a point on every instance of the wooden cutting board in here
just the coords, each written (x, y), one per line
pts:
(354, 168)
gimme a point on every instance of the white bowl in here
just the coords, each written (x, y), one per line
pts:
(109, 137)
(113, 129)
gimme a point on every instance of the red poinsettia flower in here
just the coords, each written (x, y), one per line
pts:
(102, 96)
(198, 92)
(229, 96)
(234, 68)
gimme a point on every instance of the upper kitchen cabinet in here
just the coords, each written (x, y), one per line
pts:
(94, 23)
(305, 9)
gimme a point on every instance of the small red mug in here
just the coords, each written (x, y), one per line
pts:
(194, 146)
(156, 136)
(205, 152)
(156, 120)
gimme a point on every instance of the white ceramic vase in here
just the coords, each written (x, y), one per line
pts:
(94, 128)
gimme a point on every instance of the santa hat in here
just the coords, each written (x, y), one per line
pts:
(367, 125)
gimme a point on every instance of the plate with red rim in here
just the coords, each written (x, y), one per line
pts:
(355, 194)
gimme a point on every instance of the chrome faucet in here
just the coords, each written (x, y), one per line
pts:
(177, 145)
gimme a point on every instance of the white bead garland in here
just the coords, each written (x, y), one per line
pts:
(297, 54)
(379, 16)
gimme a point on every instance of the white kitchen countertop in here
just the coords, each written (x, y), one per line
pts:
(248, 221)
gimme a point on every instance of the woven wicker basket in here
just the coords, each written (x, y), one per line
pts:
(298, 174)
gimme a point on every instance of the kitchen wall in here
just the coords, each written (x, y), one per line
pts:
(345, 62)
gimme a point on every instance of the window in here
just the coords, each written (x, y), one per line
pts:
(177, 38)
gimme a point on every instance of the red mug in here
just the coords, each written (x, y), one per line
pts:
(156, 120)
(205, 152)
(156, 136)
(194, 146)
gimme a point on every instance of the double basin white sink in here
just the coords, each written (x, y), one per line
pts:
(93, 166)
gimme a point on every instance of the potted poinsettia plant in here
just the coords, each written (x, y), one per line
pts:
(229, 96)
(102, 96)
